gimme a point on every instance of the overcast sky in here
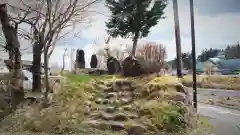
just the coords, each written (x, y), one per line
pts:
(216, 24)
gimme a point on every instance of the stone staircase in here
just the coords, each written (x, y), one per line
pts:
(115, 108)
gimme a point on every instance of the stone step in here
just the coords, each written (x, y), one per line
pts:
(108, 89)
(98, 100)
(120, 116)
(132, 129)
(125, 94)
(110, 95)
(126, 100)
(114, 117)
(107, 102)
(110, 109)
(105, 125)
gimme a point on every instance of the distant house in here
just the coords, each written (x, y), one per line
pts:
(230, 66)
(223, 66)
(205, 66)
(233, 64)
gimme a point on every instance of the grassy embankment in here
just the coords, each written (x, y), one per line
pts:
(149, 106)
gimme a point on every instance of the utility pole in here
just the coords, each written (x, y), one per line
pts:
(177, 38)
(193, 55)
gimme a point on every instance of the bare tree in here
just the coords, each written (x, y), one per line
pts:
(154, 55)
(13, 48)
(49, 21)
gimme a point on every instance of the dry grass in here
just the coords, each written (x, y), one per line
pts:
(214, 82)
(65, 112)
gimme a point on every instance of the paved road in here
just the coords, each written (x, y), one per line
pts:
(218, 92)
(226, 121)
(224, 98)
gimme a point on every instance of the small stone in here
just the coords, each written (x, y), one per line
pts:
(127, 107)
(106, 101)
(124, 82)
(179, 96)
(121, 93)
(110, 109)
(132, 116)
(95, 115)
(115, 125)
(108, 84)
(98, 101)
(111, 94)
(125, 100)
(211, 101)
(108, 89)
(213, 94)
(88, 103)
(106, 116)
(120, 117)
(120, 109)
(75, 115)
(91, 97)
(105, 125)
(228, 98)
(136, 129)
(86, 110)
(117, 101)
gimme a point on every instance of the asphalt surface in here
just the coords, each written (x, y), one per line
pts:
(219, 92)
(226, 121)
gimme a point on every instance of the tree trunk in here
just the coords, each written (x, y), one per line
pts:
(135, 41)
(36, 68)
(17, 74)
(46, 82)
(12, 47)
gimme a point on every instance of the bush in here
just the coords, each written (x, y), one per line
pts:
(152, 57)
(113, 65)
(166, 88)
(165, 115)
(94, 61)
(131, 67)
(149, 67)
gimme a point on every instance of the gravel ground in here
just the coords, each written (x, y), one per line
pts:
(224, 98)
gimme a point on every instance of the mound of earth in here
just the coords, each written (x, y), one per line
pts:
(123, 104)
(161, 105)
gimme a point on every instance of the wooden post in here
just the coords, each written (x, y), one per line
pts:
(193, 55)
(177, 38)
